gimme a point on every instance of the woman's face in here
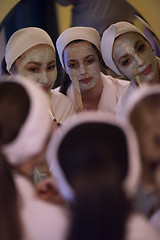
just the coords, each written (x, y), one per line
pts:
(39, 64)
(82, 64)
(131, 50)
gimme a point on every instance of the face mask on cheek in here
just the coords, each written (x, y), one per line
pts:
(139, 60)
(41, 56)
(92, 71)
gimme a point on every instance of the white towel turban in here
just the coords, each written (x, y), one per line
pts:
(24, 39)
(132, 179)
(76, 33)
(35, 130)
(108, 38)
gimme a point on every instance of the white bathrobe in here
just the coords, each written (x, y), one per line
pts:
(112, 90)
(61, 105)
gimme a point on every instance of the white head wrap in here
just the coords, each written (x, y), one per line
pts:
(139, 94)
(35, 130)
(132, 179)
(108, 38)
(77, 33)
(24, 39)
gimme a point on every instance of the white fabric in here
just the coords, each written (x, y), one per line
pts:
(76, 33)
(24, 39)
(41, 220)
(112, 90)
(62, 106)
(138, 228)
(123, 101)
(108, 38)
(35, 130)
(132, 179)
(155, 220)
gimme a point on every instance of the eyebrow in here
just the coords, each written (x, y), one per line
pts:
(39, 64)
(91, 55)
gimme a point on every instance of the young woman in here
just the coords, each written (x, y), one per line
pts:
(25, 129)
(127, 51)
(143, 112)
(30, 52)
(96, 165)
(79, 54)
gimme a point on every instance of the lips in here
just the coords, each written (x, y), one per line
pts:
(85, 80)
(147, 70)
(46, 87)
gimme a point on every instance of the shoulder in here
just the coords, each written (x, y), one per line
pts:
(62, 106)
(139, 228)
(155, 220)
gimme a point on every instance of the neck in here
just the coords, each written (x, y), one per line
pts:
(91, 97)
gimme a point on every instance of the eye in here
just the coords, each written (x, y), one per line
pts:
(72, 65)
(33, 69)
(125, 62)
(90, 60)
(141, 48)
(52, 67)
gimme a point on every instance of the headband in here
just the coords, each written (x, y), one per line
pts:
(132, 179)
(77, 33)
(139, 94)
(108, 38)
(35, 130)
(24, 39)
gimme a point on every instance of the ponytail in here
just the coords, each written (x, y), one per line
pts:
(100, 211)
(10, 223)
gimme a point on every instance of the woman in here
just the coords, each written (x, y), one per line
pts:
(96, 165)
(26, 128)
(79, 54)
(127, 51)
(30, 52)
(143, 112)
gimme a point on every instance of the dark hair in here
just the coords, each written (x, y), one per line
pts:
(4, 70)
(94, 159)
(10, 222)
(14, 107)
(14, 104)
(66, 81)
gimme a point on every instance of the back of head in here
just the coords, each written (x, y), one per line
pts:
(25, 123)
(22, 40)
(109, 37)
(91, 162)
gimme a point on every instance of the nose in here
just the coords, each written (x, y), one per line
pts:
(83, 70)
(43, 78)
(139, 61)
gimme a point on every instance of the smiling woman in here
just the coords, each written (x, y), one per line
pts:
(127, 51)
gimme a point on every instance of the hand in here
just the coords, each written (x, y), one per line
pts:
(47, 191)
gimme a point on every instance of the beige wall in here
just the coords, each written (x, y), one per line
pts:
(64, 17)
(6, 6)
(150, 10)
